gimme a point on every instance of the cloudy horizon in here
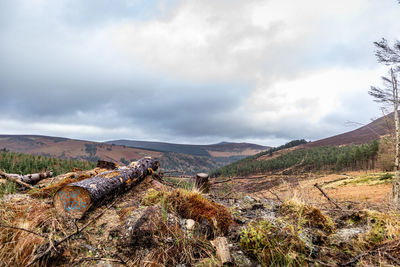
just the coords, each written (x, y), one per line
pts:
(200, 72)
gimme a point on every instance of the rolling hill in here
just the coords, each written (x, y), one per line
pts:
(184, 159)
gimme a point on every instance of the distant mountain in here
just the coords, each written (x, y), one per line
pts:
(185, 159)
(223, 149)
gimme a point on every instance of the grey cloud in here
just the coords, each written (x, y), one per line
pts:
(55, 69)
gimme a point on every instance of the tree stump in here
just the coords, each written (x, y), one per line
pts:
(75, 199)
(201, 182)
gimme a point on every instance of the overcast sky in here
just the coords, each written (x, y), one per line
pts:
(194, 71)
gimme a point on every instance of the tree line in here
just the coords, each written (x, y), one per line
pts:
(352, 157)
(12, 162)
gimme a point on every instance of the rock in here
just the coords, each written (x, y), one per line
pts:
(190, 224)
(138, 229)
(249, 199)
(346, 234)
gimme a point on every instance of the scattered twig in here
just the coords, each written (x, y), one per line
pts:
(276, 195)
(356, 259)
(397, 261)
(98, 259)
(220, 182)
(173, 171)
(162, 180)
(57, 243)
(327, 197)
(13, 179)
(22, 229)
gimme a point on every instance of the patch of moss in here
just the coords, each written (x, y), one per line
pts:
(366, 179)
(305, 215)
(382, 227)
(152, 197)
(192, 205)
(8, 188)
(273, 245)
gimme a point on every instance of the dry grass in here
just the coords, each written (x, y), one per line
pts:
(17, 246)
(176, 247)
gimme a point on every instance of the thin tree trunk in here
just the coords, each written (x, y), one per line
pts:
(28, 178)
(396, 182)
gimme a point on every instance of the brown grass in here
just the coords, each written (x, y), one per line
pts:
(181, 250)
(17, 246)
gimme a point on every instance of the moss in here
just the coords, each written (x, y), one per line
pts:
(192, 205)
(382, 227)
(7, 188)
(152, 197)
(273, 245)
(305, 215)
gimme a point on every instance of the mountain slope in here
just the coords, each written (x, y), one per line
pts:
(224, 149)
(365, 134)
(351, 150)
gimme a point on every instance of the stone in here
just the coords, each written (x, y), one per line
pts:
(138, 229)
(190, 224)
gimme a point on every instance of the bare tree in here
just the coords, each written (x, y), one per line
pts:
(389, 95)
(387, 54)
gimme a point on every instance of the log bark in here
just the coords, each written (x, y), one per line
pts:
(223, 254)
(76, 198)
(107, 165)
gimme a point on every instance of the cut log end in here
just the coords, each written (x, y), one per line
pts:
(72, 201)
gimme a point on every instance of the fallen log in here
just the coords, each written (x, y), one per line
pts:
(27, 178)
(76, 198)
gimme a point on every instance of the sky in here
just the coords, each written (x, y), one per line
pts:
(191, 71)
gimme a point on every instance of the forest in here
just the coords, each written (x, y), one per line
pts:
(12, 162)
(335, 158)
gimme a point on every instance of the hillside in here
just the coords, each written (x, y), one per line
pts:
(360, 152)
(223, 149)
(365, 134)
